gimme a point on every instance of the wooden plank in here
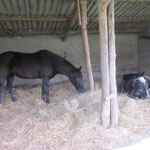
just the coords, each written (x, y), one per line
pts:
(112, 66)
(86, 45)
(124, 19)
(132, 0)
(91, 19)
(49, 32)
(32, 18)
(132, 19)
(124, 0)
(103, 42)
(130, 30)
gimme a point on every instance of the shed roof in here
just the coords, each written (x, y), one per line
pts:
(44, 17)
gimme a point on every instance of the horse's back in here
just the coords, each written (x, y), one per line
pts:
(6, 56)
(34, 65)
(31, 65)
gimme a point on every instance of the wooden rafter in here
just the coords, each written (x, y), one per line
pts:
(33, 18)
(132, 19)
(124, 0)
(49, 32)
(124, 19)
(71, 19)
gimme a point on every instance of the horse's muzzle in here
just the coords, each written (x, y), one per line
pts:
(82, 90)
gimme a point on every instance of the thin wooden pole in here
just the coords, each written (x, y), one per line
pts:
(86, 45)
(112, 66)
(103, 41)
(79, 11)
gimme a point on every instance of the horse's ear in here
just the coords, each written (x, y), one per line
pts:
(142, 73)
(80, 68)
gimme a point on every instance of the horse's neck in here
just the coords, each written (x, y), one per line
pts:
(65, 68)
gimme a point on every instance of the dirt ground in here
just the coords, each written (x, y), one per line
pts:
(70, 122)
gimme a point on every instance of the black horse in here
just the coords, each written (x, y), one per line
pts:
(42, 64)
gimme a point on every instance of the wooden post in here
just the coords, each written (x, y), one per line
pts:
(112, 66)
(103, 37)
(86, 44)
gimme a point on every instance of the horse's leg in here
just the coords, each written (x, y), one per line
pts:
(0, 94)
(10, 79)
(2, 81)
(45, 82)
(43, 92)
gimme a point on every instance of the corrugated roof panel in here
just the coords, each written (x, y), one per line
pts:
(92, 11)
(144, 11)
(129, 9)
(95, 26)
(76, 26)
(57, 8)
(90, 25)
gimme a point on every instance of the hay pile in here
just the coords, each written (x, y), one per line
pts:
(69, 122)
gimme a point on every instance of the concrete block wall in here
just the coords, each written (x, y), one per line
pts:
(72, 50)
(144, 55)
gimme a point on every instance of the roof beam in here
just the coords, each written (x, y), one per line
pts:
(132, 0)
(49, 32)
(71, 19)
(32, 18)
(132, 19)
(124, 19)
(124, 0)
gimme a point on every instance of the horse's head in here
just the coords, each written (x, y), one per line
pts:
(140, 87)
(77, 80)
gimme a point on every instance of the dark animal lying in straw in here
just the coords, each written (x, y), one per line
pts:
(136, 85)
(42, 64)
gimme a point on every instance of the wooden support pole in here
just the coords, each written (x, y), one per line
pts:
(86, 45)
(107, 2)
(112, 66)
(103, 37)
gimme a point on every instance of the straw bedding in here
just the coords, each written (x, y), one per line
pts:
(69, 122)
